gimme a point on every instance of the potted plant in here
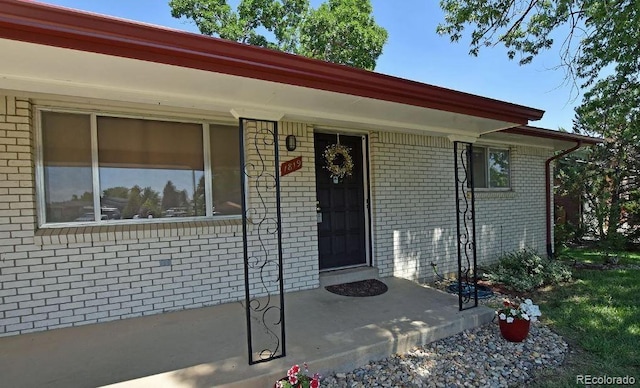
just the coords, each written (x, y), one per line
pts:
(299, 379)
(515, 319)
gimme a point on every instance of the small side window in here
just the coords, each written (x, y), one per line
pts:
(491, 168)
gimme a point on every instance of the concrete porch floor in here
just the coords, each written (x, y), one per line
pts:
(207, 347)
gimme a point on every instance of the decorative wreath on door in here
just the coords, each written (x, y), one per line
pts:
(338, 160)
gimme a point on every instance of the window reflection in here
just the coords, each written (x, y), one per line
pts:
(225, 168)
(145, 168)
(499, 168)
(479, 167)
(134, 193)
(66, 158)
(150, 169)
(491, 168)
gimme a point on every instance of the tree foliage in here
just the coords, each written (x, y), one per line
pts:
(340, 31)
(170, 196)
(116, 192)
(594, 34)
(612, 109)
(343, 31)
(199, 199)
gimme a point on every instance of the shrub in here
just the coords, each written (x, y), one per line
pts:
(525, 270)
(566, 235)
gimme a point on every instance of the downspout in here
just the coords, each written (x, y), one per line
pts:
(549, 187)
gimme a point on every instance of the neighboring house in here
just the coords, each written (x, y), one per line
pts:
(120, 174)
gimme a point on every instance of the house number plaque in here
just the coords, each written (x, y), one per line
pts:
(291, 166)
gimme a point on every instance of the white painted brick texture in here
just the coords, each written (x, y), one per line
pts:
(73, 276)
(414, 219)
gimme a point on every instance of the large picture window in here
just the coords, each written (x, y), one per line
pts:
(491, 168)
(98, 168)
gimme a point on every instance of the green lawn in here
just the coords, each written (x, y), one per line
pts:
(599, 315)
(597, 256)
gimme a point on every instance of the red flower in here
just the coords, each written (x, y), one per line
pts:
(293, 371)
(297, 379)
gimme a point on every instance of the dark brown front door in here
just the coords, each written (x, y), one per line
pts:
(341, 218)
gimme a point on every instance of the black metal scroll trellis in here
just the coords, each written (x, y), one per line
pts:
(262, 240)
(466, 226)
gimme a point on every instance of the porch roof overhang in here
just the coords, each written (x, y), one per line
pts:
(539, 137)
(54, 51)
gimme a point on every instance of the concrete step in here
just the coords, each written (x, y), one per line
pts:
(363, 350)
(342, 334)
(329, 278)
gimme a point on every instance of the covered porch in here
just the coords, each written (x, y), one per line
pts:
(207, 347)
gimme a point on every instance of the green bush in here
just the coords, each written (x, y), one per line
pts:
(525, 270)
(566, 235)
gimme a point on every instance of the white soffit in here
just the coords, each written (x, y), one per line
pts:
(33, 68)
(532, 141)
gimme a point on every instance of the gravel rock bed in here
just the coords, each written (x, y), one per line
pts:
(473, 358)
(476, 357)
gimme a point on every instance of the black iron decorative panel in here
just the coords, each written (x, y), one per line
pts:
(262, 240)
(466, 226)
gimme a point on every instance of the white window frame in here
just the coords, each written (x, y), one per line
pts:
(488, 150)
(93, 115)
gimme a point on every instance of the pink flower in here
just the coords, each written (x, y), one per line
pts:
(293, 371)
(296, 378)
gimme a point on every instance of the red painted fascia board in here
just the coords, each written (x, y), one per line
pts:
(62, 27)
(554, 135)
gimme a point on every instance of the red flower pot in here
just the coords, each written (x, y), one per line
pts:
(515, 331)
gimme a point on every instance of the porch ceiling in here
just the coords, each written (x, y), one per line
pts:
(46, 70)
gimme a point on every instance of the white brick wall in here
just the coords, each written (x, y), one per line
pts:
(299, 228)
(414, 206)
(55, 278)
(71, 276)
(510, 221)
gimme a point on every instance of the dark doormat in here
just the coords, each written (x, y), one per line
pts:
(369, 287)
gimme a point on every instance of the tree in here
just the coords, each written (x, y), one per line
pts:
(343, 31)
(170, 196)
(595, 34)
(199, 198)
(340, 31)
(87, 196)
(150, 203)
(116, 192)
(134, 202)
(617, 162)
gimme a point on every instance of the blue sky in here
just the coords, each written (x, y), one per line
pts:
(414, 51)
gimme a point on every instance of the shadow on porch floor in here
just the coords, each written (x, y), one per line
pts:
(207, 347)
